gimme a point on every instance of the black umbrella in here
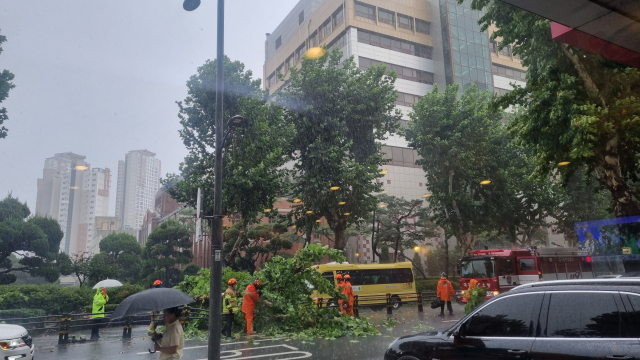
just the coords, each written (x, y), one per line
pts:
(151, 300)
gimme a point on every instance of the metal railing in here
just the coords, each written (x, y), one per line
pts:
(67, 323)
(390, 301)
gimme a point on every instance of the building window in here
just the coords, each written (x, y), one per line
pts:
(386, 17)
(278, 42)
(506, 50)
(405, 99)
(365, 10)
(423, 27)
(288, 64)
(301, 17)
(313, 39)
(493, 46)
(405, 73)
(400, 156)
(388, 42)
(338, 16)
(299, 53)
(508, 72)
(270, 82)
(339, 42)
(405, 22)
(326, 29)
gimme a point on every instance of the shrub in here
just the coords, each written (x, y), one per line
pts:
(54, 300)
(21, 313)
(431, 284)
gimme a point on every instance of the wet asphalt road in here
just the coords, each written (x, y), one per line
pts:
(111, 346)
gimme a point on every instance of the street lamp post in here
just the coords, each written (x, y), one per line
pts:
(215, 284)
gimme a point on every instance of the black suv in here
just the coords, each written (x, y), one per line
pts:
(571, 319)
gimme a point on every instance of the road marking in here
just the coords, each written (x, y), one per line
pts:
(232, 343)
(239, 352)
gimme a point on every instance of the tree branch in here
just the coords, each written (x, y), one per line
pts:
(582, 72)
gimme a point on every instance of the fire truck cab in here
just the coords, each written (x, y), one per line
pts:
(500, 270)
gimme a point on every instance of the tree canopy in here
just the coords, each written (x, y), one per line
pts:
(168, 245)
(35, 241)
(5, 85)
(576, 106)
(339, 112)
(254, 156)
(125, 252)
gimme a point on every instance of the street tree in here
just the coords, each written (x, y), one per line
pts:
(5, 85)
(401, 225)
(339, 112)
(34, 241)
(125, 252)
(80, 265)
(254, 154)
(100, 267)
(454, 138)
(583, 200)
(417, 265)
(577, 106)
(168, 245)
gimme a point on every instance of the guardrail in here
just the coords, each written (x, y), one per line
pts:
(67, 323)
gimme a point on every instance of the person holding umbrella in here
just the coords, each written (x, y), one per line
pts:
(156, 300)
(155, 321)
(99, 301)
(172, 342)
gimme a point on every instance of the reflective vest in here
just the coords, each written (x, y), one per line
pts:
(230, 301)
(99, 302)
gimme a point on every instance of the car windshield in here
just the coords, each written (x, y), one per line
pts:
(478, 268)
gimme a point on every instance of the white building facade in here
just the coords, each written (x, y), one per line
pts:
(138, 182)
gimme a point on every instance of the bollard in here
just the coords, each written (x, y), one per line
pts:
(356, 313)
(184, 319)
(389, 309)
(63, 337)
(126, 328)
(419, 302)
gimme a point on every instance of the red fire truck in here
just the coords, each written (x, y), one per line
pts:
(499, 270)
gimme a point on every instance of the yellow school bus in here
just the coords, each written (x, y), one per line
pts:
(372, 280)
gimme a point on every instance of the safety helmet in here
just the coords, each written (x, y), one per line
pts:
(257, 282)
(347, 277)
(232, 281)
(339, 277)
(157, 283)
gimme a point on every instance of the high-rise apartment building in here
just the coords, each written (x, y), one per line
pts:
(138, 183)
(73, 194)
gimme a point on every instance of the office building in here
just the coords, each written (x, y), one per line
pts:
(73, 194)
(104, 226)
(138, 183)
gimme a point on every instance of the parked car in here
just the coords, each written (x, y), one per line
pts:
(15, 343)
(566, 319)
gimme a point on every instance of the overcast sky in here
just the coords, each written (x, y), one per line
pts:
(100, 78)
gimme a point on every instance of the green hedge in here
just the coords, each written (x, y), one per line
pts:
(21, 313)
(431, 283)
(54, 300)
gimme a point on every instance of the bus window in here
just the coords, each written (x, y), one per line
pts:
(505, 266)
(402, 275)
(329, 276)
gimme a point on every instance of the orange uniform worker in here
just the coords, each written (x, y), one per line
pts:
(341, 288)
(349, 293)
(445, 291)
(251, 297)
(472, 285)
(249, 302)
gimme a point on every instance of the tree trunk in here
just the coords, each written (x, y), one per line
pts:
(610, 175)
(339, 229)
(446, 256)
(397, 246)
(230, 259)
